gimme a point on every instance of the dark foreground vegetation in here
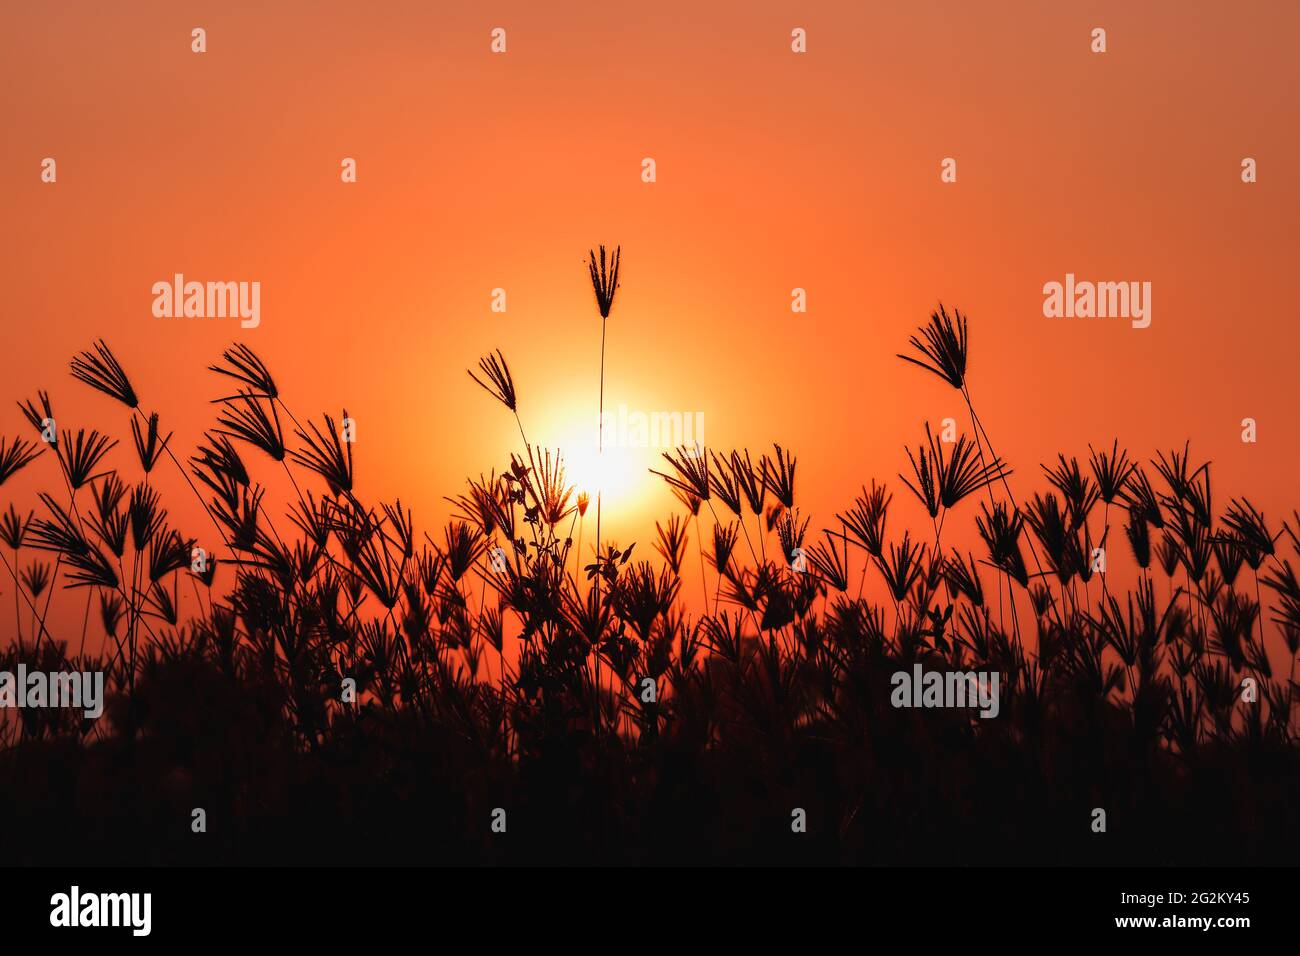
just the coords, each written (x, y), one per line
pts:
(499, 664)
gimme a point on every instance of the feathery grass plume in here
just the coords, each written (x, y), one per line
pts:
(547, 488)
(101, 371)
(245, 367)
(1282, 580)
(1195, 541)
(279, 560)
(926, 588)
(88, 568)
(326, 457)
(491, 625)
(1001, 530)
(778, 476)
(148, 446)
(1291, 637)
(497, 380)
(1230, 550)
(58, 533)
(904, 565)
(81, 455)
(965, 471)
(238, 514)
(209, 572)
(724, 636)
(1219, 689)
(942, 344)
(464, 545)
(168, 552)
(13, 528)
(1174, 470)
(926, 488)
(236, 502)
(16, 456)
(604, 278)
(36, 578)
(725, 485)
(42, 418)
(692, 476)
(945, 481)
(1139, 537)
(111, 611)
(403, 536)
(1081, 552)
(1290, 532)
(587, 615)
(503, 501)
(750, 480)
(146, 515)
(480, 505)
(1052, 527)
(782, 605)
(963, 578)
(773, 514)
(738, 591)
(866, 519)
(1169, 553)
(1257, 658)
(218, 465)
(1129, 635)
(1251, 530)
(832, 566)
(1210, 587)
(724, 543)
(1141, 498)
(671, 543)
(1233, 619)
(975, 632)
(1111, 472)
(418, 619)
(641, 597)
(604, 282)
(370, 559)
(1078, 490)
(243, 417)
(584, 500)
(107, 520)
(108, 495)
(1190, 489)
(1042, 600)
(790, 531)
(160, 604)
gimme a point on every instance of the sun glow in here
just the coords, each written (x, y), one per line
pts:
(619, 474)
(615, 473)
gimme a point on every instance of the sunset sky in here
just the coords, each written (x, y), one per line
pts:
(775, 171)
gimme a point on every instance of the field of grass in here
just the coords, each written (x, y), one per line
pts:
(359, 690)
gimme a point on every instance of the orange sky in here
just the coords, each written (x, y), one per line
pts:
(775, 171)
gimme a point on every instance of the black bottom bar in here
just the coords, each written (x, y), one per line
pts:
(364, 905)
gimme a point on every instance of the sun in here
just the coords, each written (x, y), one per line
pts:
(619, 473)
(615, 473)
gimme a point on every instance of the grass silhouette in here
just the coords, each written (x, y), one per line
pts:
(497, 665)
